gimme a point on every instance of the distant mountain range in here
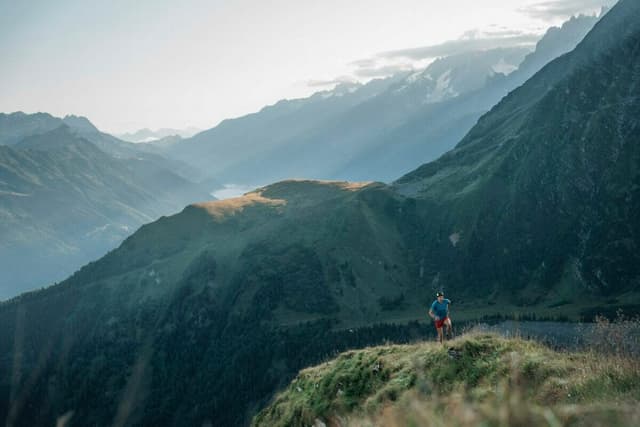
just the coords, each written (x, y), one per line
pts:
(148, 135)
(376, 131)
(16, 126)
(198, 318)
(69, 193)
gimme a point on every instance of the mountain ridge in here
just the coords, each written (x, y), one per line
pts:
(50, 179)
(376, 132)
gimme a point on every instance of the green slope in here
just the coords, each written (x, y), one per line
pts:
(476, 380)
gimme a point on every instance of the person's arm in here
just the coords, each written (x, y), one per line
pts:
(432, 314)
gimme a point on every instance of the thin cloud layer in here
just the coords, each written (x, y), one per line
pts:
(388, 63)
(330, 82)
(470, 42)
(383, 70)
(549, 10)
(385, 64)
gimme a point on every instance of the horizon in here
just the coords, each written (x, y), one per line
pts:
(140, 45)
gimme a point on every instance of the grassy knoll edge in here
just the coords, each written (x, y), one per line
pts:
(478, 379)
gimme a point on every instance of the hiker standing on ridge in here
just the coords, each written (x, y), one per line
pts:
(439, 312)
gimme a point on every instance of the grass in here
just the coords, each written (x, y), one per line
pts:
(476, 380)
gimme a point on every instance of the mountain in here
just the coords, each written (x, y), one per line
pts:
(361, 143)
(200, 317)
(226, 287)
(148, 135)
(451, 76)
(242, 145)
(316, 136)
(64, 202)
(542, 193)
(376, 131)
(165, 141)
(80, 124)
(430, 131)
(556, 42)
(16, 126)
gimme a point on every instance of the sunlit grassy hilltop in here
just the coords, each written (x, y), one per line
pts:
(479, 379)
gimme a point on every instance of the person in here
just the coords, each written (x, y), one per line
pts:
(439, 312)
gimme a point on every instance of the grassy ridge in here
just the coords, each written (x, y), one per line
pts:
(479, 379)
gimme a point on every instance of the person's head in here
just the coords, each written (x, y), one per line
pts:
(440, 296)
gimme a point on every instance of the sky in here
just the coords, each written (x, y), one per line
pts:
(158, 63)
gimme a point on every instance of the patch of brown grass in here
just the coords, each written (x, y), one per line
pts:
(221, 209)
(617, 337)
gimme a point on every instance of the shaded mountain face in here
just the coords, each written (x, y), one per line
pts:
(201, 316)
(542, 194)
(376, 131)
(64, 202)
(556, 42)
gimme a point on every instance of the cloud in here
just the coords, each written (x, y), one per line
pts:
(364, 70)
(382, 71)
(549, 10)
(388, 63)
(364, 63)
(375, 66)
(330, 82)
(471, 41)
(385, 64)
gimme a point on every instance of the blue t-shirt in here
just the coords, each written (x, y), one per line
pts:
(440, 309)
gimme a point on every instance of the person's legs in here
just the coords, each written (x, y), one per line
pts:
(449, 328)
(440, 334)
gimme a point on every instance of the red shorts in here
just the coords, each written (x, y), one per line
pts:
(440, 323)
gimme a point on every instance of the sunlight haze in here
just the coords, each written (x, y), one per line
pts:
(167, 64)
